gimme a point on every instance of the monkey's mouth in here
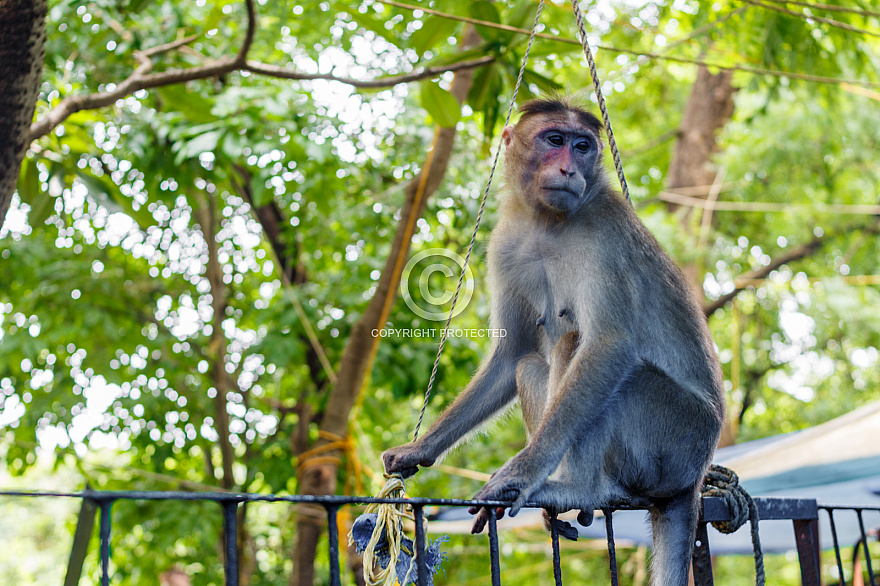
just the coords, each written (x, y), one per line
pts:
(561, 189)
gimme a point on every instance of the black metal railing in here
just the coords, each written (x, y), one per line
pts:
(803, 513)
(861, 543)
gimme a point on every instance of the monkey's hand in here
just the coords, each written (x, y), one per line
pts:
(406, 459)
(513, 482)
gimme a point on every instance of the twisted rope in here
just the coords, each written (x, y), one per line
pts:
(612, 144)
(476, 225)
(389, 517)
(724, 483)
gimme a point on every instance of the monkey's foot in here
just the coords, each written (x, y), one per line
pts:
(498, 489)
(585, 518)
(482, 517)
(564, 528)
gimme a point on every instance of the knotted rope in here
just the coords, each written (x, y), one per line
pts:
(389, 526)
(724, 483)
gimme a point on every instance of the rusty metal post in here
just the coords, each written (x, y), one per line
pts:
(702, 558)
(806, 535)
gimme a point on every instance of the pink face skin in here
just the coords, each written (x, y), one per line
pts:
(558, 158)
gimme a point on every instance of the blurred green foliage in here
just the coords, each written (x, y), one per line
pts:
(106, 319)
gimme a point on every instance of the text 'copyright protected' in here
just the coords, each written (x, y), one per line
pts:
(435, 332)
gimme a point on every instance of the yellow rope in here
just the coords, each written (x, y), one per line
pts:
(354, 467)
(389, 522)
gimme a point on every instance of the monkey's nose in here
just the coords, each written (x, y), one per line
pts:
(567, 171)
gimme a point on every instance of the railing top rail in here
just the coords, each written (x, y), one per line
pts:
(838, 507)
(221, 497)
(714, 508)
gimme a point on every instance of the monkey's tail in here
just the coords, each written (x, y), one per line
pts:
(674, 525)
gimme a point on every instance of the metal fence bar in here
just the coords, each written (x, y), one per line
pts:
(836, 546)
(612, 554)
(803, 513)
(85, 524)
(230, 536)
(806, 536)
(105, 505)
(865, 547)
(494, 561)
(421, 562)
(554, 540)
(702, 558)
(333, 545)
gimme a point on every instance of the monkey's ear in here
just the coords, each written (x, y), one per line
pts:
(507, 135)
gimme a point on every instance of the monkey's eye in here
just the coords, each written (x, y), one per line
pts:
(582, 146)
(556, 140)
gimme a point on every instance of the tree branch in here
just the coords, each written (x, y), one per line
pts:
(798, 253)
(381, 82)
(142, 79)
(241, 57)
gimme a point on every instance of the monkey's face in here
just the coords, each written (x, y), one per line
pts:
(559, 161)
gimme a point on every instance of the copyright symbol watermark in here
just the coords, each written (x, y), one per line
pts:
(428, 283)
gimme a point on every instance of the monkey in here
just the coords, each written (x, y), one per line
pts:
(607, 348)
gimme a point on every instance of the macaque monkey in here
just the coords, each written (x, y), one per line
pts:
(607, 349)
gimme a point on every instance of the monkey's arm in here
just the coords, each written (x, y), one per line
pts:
(491, 389)
(583, 394)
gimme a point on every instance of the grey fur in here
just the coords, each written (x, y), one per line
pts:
(606, 348)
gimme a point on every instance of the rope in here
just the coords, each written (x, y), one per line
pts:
(724, 483)
(354, 467)
(389, 523)
(390, 517)
(473, 241)
(612, 144)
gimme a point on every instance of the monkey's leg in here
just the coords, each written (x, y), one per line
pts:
(577, 412)
(663, 454)
(561, 358)
(532, 375)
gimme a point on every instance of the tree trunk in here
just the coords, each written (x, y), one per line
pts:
(708, 110)
(320, 478)
(207, 218)
(22, 51)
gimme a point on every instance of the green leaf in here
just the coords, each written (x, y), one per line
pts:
(193, 105)
(107, 193)
(262, 195)
(486, 83)
(486, 11)
(440, 104)
(530, 76)
(202, 143)
(549, 47)
(375, 25)
(522, 15)
(474, 53)
(137, 5)
(31, 193)
(434, 30)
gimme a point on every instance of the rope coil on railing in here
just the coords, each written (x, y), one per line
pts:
(724, 483)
